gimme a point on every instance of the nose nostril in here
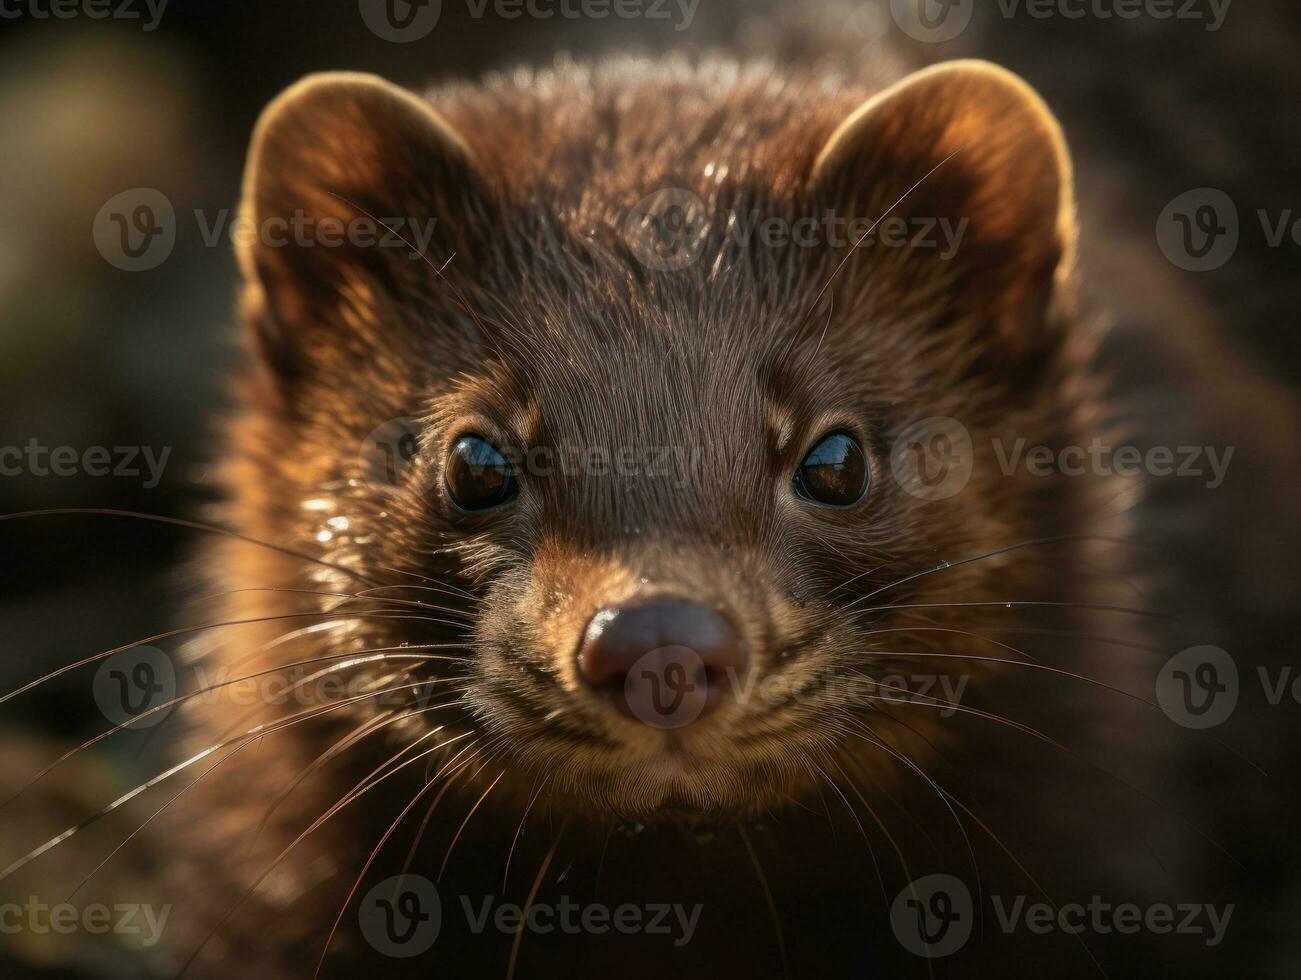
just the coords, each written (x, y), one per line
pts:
(664, 662)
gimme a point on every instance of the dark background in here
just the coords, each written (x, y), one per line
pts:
(91, 355)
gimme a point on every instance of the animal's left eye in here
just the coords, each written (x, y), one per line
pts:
(834, 473)
(478, 476)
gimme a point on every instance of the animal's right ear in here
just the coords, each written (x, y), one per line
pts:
(334, 159)
(971, 144)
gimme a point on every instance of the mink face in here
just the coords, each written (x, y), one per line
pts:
(632, 476)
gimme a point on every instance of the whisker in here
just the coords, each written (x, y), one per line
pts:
(339, 747)
(457, 295)
(1096, 606)
(129, 837)
(1034, 665)
(349, 797)
(768, 898)
(944, 566)
(867, 234)
(186, 630)
(528, 902)
(962, 829)
(871, 851)
(445, 588)
(347, 596)
(1034, 881)
(931, 701)
(371, 860)
(429, 813)
(954, 630)
(355, 661)
(461, 829)
(520, 829)
(256, 733)
(191, 525)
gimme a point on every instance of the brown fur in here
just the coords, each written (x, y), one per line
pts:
(545, 330)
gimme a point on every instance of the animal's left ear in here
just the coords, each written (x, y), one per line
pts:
(1003, 185)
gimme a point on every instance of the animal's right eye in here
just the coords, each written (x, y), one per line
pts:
(478, 476)
(834, 473)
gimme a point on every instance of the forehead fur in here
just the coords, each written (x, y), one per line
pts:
(568, 137)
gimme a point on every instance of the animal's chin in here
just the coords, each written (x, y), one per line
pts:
(669, 778)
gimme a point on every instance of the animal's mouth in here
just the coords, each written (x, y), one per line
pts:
(677, 759)
(659, 702)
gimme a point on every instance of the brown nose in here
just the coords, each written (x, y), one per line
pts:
(666, 662)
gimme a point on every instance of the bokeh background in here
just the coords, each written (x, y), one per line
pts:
(92, 355)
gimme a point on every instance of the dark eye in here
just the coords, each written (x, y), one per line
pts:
(834, 473)
(478, 476)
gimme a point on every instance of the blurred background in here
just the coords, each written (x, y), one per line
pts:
(164, 98)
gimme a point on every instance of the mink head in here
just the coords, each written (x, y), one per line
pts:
(599, 387)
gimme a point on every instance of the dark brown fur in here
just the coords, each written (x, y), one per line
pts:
(545, 329)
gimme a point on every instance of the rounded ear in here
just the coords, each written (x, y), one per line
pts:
(971, 144)
(349, 180)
